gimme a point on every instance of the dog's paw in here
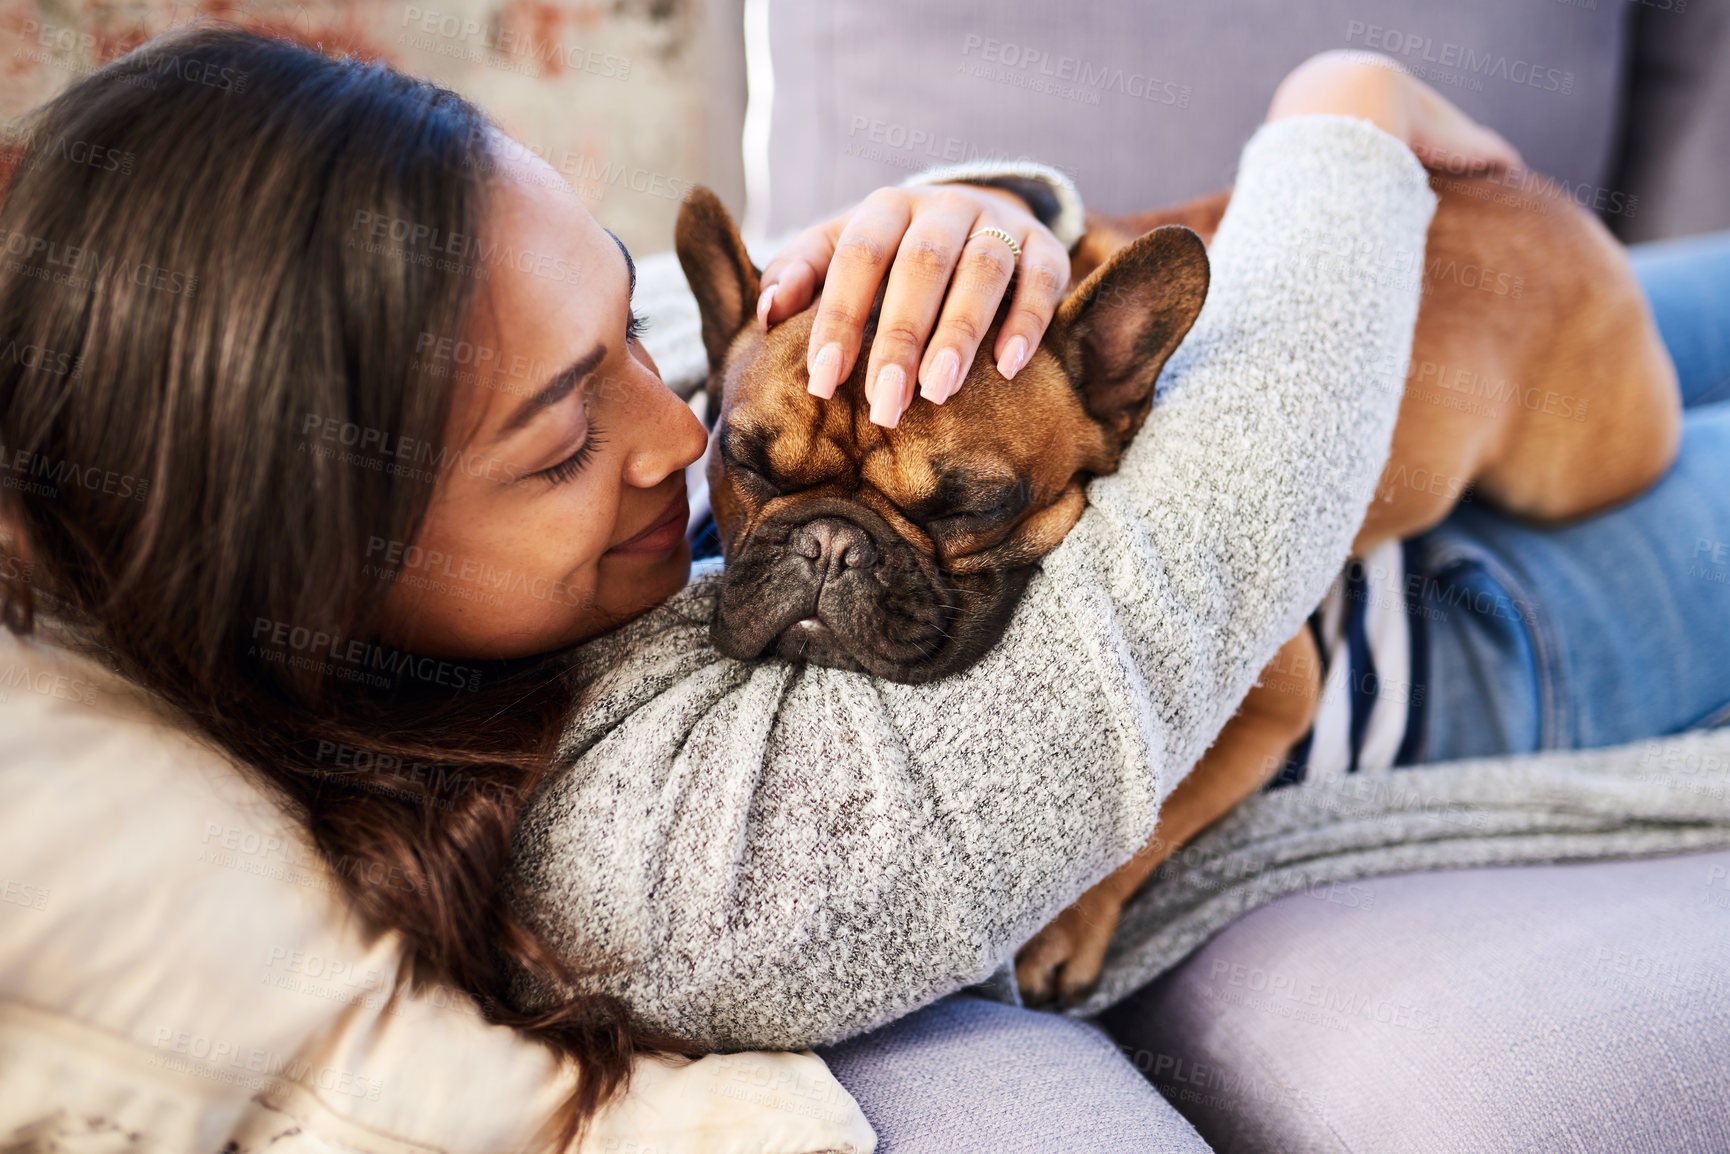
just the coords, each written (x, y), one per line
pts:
(1060, 965)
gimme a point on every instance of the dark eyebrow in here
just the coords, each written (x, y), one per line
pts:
(560, 386)
(555, 390)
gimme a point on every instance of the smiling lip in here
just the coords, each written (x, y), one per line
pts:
(667, 531)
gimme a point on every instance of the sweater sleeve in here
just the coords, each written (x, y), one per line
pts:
(1049, 193)
(769, 855)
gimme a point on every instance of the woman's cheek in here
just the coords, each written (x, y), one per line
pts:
(584, 587)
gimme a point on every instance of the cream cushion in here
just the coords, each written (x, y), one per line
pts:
(179, 971)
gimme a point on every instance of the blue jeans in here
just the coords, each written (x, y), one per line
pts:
(1615, 628)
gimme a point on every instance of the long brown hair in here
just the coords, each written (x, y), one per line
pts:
(195, 289)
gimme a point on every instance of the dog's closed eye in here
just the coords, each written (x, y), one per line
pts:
(747, 461)
(743, 474)
(971, 508)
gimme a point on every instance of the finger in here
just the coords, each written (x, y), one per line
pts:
(1507, 155)
(798, 266)
(981, 276)
(919, 279)
(793, 279)
(794, 287)
(863, 252)
(1038, 289)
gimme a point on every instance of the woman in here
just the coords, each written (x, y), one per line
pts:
(255, 328)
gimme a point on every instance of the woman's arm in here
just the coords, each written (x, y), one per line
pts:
(771, 855)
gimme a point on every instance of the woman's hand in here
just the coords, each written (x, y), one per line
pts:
(1375, 88)
(943, 288)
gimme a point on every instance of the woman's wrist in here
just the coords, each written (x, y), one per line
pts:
(1045, 191)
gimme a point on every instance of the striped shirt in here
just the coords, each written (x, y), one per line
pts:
(1370, 632)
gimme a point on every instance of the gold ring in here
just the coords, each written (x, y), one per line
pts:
(1000, 235)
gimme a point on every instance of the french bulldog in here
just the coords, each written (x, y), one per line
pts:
(902, 552)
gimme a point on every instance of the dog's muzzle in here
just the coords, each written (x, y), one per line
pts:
(831, 584)
(837, 551)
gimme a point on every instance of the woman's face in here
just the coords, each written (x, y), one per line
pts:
(564, 512)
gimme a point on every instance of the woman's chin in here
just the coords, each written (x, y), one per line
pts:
(631, 585)
(661, 577)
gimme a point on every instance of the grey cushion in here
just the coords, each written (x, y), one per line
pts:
(966, 1075)
(1676, 163)
(1544, 1008)
(1149, 103)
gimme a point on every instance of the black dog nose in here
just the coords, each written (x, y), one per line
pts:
(834, 544)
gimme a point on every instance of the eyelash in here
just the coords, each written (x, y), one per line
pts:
(568, 468)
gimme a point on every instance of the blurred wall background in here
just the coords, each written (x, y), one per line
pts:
(632, 101)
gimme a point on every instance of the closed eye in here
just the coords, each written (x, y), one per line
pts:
(989, 511)
(745, 458)
(567, 469)
(748, 474)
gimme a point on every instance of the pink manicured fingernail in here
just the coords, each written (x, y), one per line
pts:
(1014, 356)
(764, 303)
(886, 401)
(826, 371)
(939, 383)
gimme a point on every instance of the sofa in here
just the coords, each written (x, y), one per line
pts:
(1143, 104)
(190, 978)
(1563, 1007)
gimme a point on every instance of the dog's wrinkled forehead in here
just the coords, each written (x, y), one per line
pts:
(771, 424)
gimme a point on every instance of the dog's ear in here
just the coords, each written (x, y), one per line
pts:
(720, 271)
(1118, 327)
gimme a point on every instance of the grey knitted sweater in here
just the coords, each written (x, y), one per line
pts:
(769, 855)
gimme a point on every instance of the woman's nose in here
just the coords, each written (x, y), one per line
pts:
(665, 435)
